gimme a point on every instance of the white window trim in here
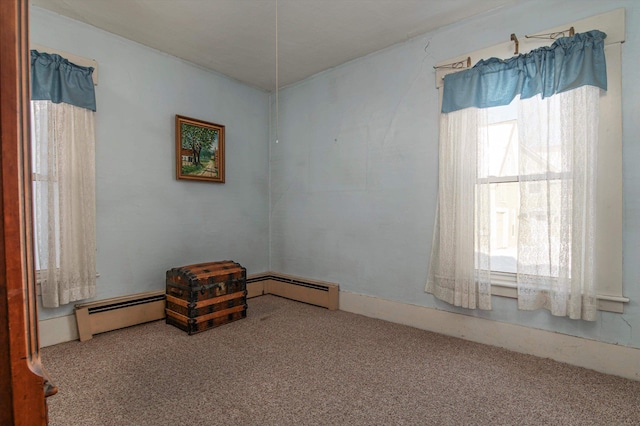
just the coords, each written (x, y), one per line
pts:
(610, 297)
(504, 284)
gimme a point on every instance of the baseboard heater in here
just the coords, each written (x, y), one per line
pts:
(119, 312)
(319, 293)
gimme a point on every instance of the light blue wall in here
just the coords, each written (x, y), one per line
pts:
(354, 175)
(147, 221)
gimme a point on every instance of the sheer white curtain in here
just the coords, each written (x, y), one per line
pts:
(63, 143)
(558, 139)
(557, 147)
(459, 270)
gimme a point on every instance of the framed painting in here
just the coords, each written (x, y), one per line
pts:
(199, 150)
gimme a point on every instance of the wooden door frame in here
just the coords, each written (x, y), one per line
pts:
(22, 392)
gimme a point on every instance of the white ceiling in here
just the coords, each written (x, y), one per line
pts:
(238, 37)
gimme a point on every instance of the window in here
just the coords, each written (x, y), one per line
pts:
(511, 175)
(63, 166)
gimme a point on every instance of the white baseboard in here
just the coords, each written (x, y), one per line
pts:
(57, 330)
(607, 358)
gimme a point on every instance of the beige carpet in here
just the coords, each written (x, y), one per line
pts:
(289, 363)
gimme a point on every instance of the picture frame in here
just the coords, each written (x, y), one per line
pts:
(199, 150)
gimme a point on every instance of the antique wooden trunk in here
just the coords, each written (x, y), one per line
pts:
(206, 295)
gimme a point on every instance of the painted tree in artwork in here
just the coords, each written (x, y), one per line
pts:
(198, 139)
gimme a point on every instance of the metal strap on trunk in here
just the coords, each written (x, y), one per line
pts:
(207, 317)
(204, 303)
(205, 287)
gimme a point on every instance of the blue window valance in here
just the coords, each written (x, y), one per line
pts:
(569, 63)
(55, 79)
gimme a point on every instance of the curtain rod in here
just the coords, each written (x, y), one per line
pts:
(455, 65)
(514, 38)
(553, 36)
(549, 36)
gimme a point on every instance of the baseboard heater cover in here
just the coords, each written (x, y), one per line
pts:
(118, 312)
(319, 293)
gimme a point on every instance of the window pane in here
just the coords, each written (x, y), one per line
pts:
(500, 152)
(541, 229)
(541, 141)
(45, 220)
(503, 148)
(505, 206)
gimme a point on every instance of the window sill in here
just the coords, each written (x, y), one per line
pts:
(39, 281)
(503, 285)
